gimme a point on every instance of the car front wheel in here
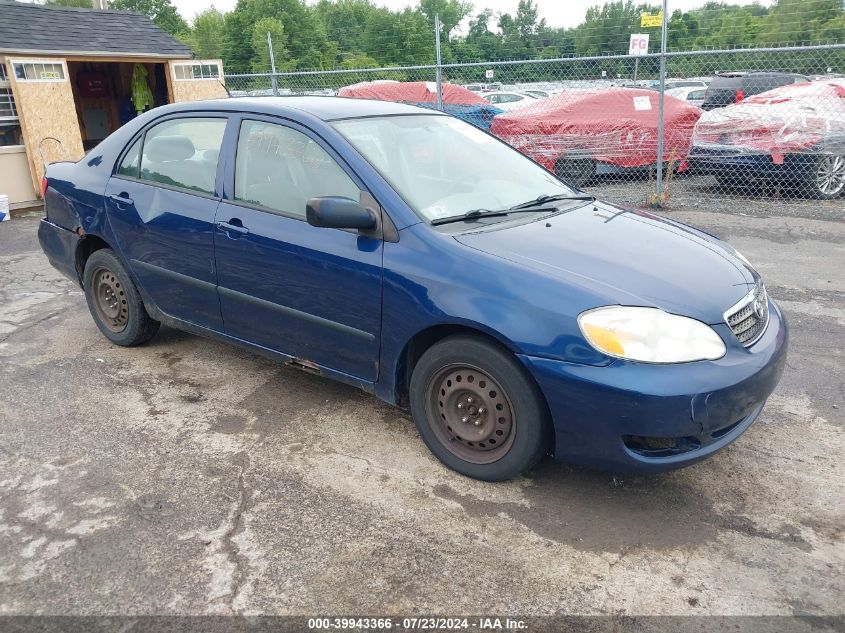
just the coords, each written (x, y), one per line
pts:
(114, 301)
(478, 410)
(826, 180)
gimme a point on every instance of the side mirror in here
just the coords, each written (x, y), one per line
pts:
(335, 212)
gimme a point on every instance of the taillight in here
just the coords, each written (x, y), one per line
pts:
(740, 95)
(44, 186)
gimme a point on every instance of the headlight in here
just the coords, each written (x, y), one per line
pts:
(649, 335)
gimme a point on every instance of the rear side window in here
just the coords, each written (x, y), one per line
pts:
(280, 168)
(183, 153)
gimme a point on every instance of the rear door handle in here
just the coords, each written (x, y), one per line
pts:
(122, 198)
(232, 228)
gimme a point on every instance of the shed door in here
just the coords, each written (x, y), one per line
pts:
(196, 80)
(44, 100)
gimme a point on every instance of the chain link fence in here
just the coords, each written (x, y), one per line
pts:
(734, 124)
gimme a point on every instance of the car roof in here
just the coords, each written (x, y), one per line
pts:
(325, 108)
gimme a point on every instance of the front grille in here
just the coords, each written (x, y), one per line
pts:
(748, 318)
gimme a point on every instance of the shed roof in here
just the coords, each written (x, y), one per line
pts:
(33, 29)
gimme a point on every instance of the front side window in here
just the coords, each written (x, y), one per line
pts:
(183, 153)
(442, 166)
(280, 168)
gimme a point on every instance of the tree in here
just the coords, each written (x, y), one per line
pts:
(304, 36)
(344, 22)
(206, 36)
(261, 60)
(399, 38)
(80, 4)
(451, 13)
(161, 12)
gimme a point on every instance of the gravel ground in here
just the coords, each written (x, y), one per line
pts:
(188, 477)
(702, 193)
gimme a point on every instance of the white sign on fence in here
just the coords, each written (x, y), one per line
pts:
(488, 73)
(639, 44)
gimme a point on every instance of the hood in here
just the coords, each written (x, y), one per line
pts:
(629, 257)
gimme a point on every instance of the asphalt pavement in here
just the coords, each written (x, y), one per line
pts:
(189, 477)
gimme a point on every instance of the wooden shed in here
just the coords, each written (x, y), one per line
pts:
(66, 82)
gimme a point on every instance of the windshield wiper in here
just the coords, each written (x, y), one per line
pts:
(484, 213)
(544, 199)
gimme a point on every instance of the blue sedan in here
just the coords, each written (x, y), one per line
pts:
(418, 258)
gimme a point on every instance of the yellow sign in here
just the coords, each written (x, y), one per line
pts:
(647, 19)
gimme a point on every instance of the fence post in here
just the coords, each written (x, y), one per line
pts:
(658, 198)
(439, 70)
(272, 65)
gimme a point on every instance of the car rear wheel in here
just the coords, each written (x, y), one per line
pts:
(826, 178)
(576, 169)
(114, 302)
(478, 410)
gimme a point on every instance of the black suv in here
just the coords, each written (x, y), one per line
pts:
(733, 87)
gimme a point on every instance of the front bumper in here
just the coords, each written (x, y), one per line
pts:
(635, 417)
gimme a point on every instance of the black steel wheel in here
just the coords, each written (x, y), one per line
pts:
(114, 301)
(110, 301)
(478, 410)
(473, 415)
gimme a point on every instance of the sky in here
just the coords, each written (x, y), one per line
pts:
(558, 13)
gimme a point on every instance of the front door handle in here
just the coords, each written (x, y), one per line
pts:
(122, 199)
(232, 230)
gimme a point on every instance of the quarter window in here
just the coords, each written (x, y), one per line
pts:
(183, 153)
(129, 164)
(280, 168)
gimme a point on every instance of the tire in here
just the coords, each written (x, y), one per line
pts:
(826, 177)
(478, 410)
(114, 302)
(575, 169)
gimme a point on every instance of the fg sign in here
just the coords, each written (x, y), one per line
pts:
(639, 44)
(488, 73)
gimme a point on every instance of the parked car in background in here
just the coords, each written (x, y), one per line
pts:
(584, 133)
(690, 94)
(732, 87)
(794, 135)
(411, 255)
(671, 84)
(540, 94)
(457, 100)
(507, 101)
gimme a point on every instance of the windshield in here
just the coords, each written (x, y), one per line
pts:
(443, 167)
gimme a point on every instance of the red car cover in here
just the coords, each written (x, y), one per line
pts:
(412, 92)
(612, 125)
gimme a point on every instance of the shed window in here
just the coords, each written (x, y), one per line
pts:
(190, 71)
(39, 71)
(10, 129)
